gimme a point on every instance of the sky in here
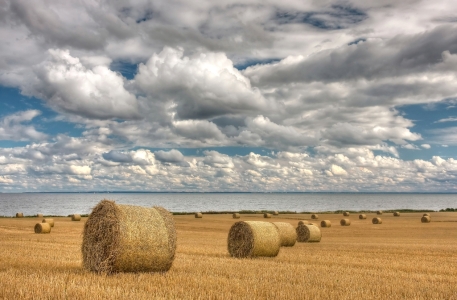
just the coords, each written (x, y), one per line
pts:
(226, 96)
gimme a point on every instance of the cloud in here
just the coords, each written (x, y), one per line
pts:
(426, 146)
(450, 119)
(13, 129)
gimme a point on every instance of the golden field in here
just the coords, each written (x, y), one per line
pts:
(399, 259)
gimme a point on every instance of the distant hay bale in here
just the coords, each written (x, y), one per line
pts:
(267, 215)
(287, 233)
(39, 215)
(50, 221)
(362, 216)
(426, 215)
(236, 216)
(275, 213)
(42, 228)
(76, 217)
(379, 212)
(308, 234)
(345, 222)
(396, 214)
(127, 238)
(426, 219)
(376, 221)
(19, 215)
(304, 222)
(346, 214)
(198, 215)
(326, 223)
(253, 238)
(314, 216)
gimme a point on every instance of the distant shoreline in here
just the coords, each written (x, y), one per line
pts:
(278, 192)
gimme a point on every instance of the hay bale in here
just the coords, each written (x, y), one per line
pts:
(326, 223)
(42, 228)
(39, 215)
(308, 234)
(362, 216)
(314, 216)
(50, 221)
(346, 214)
(19, 215)
(304, 222)
(287, 233)
(426, 215)
(253, 238)
(236, 216)
(198, 215)
(376, 221)
(345, 222)
(379, 212)
(76, 217)
(396, 214)
(267, 215)
(426, 219)
(276, 213)
(127, 238)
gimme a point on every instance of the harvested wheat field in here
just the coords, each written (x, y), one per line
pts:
(402, 259)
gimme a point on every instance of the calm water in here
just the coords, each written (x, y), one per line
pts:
(65, 204)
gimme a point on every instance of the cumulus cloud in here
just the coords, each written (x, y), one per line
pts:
(426, 146)
(12, 127)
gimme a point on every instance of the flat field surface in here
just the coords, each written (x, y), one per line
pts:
(399, 259)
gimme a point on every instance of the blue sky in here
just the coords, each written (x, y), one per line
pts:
(332, 96)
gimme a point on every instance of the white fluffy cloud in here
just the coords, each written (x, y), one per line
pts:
(12, 127)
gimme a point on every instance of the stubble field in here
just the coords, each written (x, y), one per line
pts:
(399, 259)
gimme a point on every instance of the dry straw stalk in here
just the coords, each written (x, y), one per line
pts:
(267, 215)
(287, 233)
(236, 216)
(50, 221)
(76, 217)
(314, 216)
(127, 238)
(396, 214)
(198, 215)
(426, 219)
(345, 222)
(326, 223)
(376, 221)
(253, 238)
(42, 228)
(308, 234)
(346, 214)
(362, 216)
(19, 215)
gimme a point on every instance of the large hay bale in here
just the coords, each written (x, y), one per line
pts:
(39, 215)
(253, 238)
(314, 216)
(426, 219)
(50, 221)
(362, 216)
(42, 228)
(426, 215)
(345, 222)
(346, 214)
(287, 233)
(127, 238)
(76, 217)
(267, 215)
(276, 213)
(236, 216)
(376, 221)
(396, 214)
(308, 234)
(379, 212)
(19, 215)
(326, 223)
(198, 215)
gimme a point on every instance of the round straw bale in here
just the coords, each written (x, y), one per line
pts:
(308, 234)
(396, 214)
(127, 238)
(426, 219)
(236, 215)
(19, 215)
(253, 238)
(326, 223)
(287, 233)
(346, 214)
(39, 215)
(42, 228)
(426, 215)
(304, 222)
(345, 222)
(275, 213)
(362, 216)
(376, 221)
(198, 215)
(50, 221)
(267, 215)
(314, 216)
(379, 212)
(76, 217)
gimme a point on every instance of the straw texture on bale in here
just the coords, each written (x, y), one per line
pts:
(379, 212)
(198, 215)
(396, 214)
(314, 216)
(426, 219)
(287, 233)
(362, 216)
(376, 221)
(426, 215)
(345, 222)
(39, 215)
(253, 238)
(19, 215)
(236, 216)
(127, 238)
(42, 228)
(326, 223)
(267, 215)
(346, 214)
(76, 217)
(50, 221)
(308, 234)
(275, 213)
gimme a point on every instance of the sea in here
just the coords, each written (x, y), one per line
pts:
(64, 204)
